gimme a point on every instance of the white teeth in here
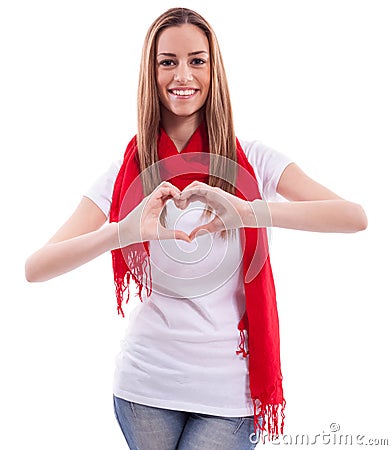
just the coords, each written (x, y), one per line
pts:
(183, 92)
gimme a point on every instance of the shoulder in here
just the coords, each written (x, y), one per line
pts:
(101, 189)
(257, 150)
(267, 163)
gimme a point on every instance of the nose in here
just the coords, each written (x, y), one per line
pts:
(183, 73)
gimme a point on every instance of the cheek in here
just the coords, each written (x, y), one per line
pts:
(161, 81)
(207, 79)
(207, 84)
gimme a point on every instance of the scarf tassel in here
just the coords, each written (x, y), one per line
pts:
(266, 419)
(121, 286)
(265, 415)
(139, 269)
(241, 345)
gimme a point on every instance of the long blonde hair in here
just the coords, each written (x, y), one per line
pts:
(217, 109)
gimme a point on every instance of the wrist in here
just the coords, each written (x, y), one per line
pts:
(112, 235)
(257, 214)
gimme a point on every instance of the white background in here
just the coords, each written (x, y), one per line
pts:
(311, 79)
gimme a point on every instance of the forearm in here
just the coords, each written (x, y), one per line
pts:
(57, 258)
(330, 216)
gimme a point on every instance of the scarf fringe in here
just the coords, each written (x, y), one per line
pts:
(121, 286)
(269, 415)
(264, 412)
(241, 345)
(139, 268)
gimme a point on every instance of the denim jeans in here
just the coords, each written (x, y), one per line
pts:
(149, 428)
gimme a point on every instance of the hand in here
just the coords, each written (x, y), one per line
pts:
(230, 211)
(143, 224)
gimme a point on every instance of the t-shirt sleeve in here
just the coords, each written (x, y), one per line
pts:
(101, 190)
(268, 165)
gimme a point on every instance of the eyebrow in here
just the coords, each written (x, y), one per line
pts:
(189, 54)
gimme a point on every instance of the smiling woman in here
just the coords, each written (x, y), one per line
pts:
(199, 366)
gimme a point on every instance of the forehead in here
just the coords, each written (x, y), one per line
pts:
(184, 38)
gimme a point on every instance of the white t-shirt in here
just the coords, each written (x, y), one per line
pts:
(179, 350)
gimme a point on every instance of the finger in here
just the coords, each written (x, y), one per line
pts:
(210, 227)
(167, 184)
(170, 186)
(166, 192)
(180, 203)
(197, 187)
(184, 203)
(191, 195)
(182, 236)
(195, 192)
(199, 231)
(196, 183)
(164, 234)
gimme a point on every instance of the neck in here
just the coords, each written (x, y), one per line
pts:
(180, 129)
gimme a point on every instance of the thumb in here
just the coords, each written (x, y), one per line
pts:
(181, 235)
(200, 230)
(164, 234)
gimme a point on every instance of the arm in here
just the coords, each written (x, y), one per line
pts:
(312, 207)
(83, 238)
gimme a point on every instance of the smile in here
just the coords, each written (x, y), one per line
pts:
(183, 92)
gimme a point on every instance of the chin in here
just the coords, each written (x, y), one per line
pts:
(183, 112)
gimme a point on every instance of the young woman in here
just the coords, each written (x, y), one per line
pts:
(188, 208)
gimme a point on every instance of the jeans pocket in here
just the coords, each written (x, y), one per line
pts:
(123, 407)
(240, 421)
(247, 423)
(132, 405)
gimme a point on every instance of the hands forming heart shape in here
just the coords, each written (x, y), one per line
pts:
(143, 222)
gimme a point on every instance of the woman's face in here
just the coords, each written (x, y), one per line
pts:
(182, 71)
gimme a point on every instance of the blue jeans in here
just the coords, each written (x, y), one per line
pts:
(149, 428)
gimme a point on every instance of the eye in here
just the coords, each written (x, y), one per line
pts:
(198, 61)
(166, 62)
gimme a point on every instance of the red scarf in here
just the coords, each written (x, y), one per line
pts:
(260, 320)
